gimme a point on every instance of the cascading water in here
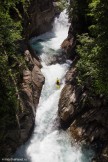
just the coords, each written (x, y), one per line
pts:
(48, 143)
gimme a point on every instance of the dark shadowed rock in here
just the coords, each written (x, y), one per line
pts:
(40, 16)
(85, 115)
(82, 112)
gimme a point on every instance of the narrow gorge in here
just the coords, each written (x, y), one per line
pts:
(46, 42)
(49, 142)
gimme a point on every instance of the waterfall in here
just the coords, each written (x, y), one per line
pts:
(48, 143)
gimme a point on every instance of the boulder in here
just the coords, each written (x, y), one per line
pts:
(67, 43)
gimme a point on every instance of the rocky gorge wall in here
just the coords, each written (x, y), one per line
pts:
(39, 18)
(82, 113)
(35, 21)
(28, 98)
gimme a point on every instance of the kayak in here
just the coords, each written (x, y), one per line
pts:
(57, 86)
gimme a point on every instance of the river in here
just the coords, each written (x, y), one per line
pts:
(48, 143)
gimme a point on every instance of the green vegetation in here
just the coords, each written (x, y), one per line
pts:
(11, 65)
(93, 43)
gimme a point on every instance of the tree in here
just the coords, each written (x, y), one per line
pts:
(11, 62)
(93, 46)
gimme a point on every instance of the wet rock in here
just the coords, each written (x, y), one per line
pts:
(28, 99)
(65, 94)
(67, 43)
(76, 132)
(37, 76)
(68, 47)
(66, 112)
(85, 115)
(61, 58)
(32, 83)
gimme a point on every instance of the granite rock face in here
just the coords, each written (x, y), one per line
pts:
(36, 16)
(31, 87)
(69, 44)
(28, 99)
(40, 16)
(84, 115)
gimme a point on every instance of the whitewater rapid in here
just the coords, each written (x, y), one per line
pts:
(48, 143)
